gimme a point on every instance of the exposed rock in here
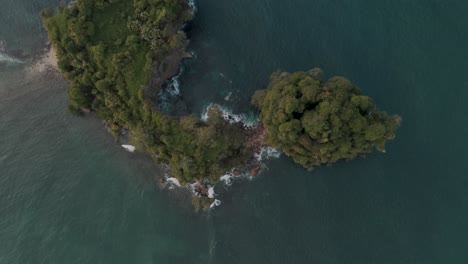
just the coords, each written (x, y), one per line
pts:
(255, 171)
(201, 189)
(255, 138)
(187, 55)
(85, 110)
(162, 71)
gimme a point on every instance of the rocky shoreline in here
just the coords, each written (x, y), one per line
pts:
(194, 153)
(162, 72)
(203, 191)
(46, 63)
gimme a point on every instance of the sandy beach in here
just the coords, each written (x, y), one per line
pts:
(46, 61)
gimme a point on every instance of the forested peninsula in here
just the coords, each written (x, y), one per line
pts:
(118, 55)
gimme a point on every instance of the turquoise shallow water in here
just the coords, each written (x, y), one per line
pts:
(68, 194)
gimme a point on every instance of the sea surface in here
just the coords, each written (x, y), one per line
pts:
(69, 194)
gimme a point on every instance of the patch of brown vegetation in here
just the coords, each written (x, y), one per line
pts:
(255, 138)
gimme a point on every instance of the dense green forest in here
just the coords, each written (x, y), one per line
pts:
(317, 122)
(117, 54)
(110, 51)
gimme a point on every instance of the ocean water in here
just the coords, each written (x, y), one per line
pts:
(69, 194)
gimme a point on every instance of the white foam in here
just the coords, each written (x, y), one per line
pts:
(173, 86)
(227, 179)
(9, 59)
(192, 5)
(204, 114)
(193, 53)
(228, 97)
(267, 153)
(192, 187)
(247, 121)
(2, 45)
(215, 203)
(174, 181)
(129, 148)
(172, 89)
(211, 192)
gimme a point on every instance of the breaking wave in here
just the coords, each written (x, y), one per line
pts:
(248, 120)
(267, 153)
(171, 90)
(192, 5)
(8, 59)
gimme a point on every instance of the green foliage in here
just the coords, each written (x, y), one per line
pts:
(106, 49)
(152, 21)
(317, 122)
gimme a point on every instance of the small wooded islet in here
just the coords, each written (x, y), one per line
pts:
(117, 54)
(317, 122)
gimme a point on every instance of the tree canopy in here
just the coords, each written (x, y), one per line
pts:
(111, 51)
(108, 49)
(317, 122)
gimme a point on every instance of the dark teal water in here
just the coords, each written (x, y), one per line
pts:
(68, 194)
